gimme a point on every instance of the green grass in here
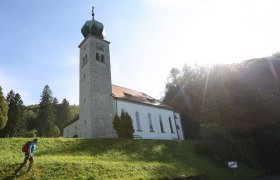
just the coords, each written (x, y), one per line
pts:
(60, 158)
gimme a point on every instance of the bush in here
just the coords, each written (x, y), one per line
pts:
(56, 131)
(32, 133)
(123, 125)
(225, 146)
(213, 131)
(191, 128)
(268, 142)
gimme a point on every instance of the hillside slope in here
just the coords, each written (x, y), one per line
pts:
(59, 158)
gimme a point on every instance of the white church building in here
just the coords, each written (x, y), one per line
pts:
(100, 100)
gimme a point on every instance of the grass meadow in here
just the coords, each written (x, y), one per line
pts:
(61, 158)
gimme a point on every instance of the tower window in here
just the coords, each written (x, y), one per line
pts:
(100, 47)
(160, 123)
(138, 126)
(150, 123)
(84, 60)
(170, 123)
(102, 58)
(97, 57)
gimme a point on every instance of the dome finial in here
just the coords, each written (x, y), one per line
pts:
(92, 12)
(93, 27)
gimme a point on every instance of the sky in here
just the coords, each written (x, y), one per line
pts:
(39, 40)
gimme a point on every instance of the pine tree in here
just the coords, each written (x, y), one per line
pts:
(46, 113)
(123, 125)
(55, 106)
(63, 114)
(31, 113)
(3, 110)
(116, 124)
(128, 126)
(16, 125)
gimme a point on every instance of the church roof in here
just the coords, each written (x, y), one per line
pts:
(136, 96)
(123, 93)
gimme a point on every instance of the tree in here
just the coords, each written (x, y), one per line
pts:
(16, 125)
(128, 126)
(55, 106)
(31, 115)
(185, 92)
(123, 125)
(47, 115)
(63, 114)
(3, 110)
(117, 124)
(74, 112)
(56, 131)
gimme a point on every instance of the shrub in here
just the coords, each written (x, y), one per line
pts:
(224, 146)
(32, 133)
(56, 131)
(123, 125)
(268, 142)
(191, 128)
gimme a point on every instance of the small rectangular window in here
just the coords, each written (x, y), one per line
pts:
(97, 57)
(102, 58)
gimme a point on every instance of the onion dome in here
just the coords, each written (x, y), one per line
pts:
(93, 27)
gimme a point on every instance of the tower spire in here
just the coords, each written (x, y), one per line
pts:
(92, 12)
(93, 27)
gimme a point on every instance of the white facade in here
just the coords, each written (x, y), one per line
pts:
(153, 122)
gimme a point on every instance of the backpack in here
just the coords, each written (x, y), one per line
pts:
(25, 146)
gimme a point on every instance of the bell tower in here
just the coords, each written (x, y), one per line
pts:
(96, 103)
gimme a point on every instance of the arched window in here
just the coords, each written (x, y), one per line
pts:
(160, 123)
(138, 126)
(150, 122)
(170, 123)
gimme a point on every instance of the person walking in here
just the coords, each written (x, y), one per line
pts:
(28, 155)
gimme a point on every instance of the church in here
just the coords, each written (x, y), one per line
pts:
(100, 100)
